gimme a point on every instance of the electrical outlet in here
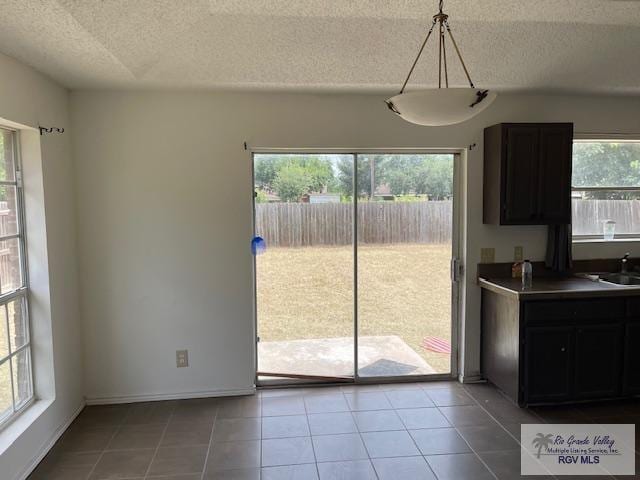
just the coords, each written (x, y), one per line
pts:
(487, 255)
(518, 253)
(182, 358)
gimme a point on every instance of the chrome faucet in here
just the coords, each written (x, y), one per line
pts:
(624, 263)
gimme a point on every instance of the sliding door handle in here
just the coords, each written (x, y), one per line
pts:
(456, 270)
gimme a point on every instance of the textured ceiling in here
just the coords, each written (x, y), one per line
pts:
(569, 45)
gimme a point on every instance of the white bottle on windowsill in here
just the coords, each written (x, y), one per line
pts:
(609, 230)
(527, 275)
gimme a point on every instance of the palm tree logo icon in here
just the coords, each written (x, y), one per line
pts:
(542, 441)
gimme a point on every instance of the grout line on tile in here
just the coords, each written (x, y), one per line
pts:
(475, 453)
(495, 420)
(463, 438)
(313, 448)
(213, 428)
(117, 430)
(360, 436)
(164, 431)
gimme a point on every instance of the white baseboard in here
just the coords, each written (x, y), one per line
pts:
(155, 397)
(48, 445)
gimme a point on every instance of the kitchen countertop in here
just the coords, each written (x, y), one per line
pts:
(557, 288)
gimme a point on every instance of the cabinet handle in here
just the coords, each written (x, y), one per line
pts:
(563, 349)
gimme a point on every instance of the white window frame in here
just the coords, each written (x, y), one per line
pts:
(21, 293)
(606, 138)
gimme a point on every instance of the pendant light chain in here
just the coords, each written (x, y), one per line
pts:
(440, 38)
(444, 56)
(442, 19)
(455, 45)
(415, 62)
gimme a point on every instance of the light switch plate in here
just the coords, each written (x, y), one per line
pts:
(487, 255)
(518, 254)
(182, 358)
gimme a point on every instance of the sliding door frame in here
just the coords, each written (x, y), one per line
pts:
(456, 254)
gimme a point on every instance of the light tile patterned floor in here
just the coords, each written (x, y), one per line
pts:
(418, 431)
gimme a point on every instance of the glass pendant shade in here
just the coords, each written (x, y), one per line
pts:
(435, 107)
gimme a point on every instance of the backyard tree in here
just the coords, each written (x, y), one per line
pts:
(364, 165)
(319, 170)
(400, 182)
(403, 173)
(430, 175)
(291, 182)
(266, 169)
(606, 164)
(6, 144)
(434, 177)
(288, 173)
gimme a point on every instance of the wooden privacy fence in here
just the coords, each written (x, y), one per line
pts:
(306, 224)
(588, 216)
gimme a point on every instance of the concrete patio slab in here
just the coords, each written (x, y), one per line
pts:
(379, 356)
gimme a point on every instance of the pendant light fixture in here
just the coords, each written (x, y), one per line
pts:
(440, 106)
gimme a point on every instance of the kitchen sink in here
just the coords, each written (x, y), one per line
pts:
(621, 278)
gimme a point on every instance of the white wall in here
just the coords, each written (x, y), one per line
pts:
(164, 218)
(29, 99)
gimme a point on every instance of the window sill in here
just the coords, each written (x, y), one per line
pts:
(17, 427)
(602, 240)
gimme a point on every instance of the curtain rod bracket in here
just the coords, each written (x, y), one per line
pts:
(44, 130)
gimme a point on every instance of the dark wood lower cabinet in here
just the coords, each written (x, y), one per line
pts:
(598, 356)
(560, 351)
(548, 368)
(632, 359)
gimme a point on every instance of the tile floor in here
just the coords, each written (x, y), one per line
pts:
(419, 431)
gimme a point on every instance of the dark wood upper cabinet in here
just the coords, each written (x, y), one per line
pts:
(522, 153)
(554, 174)
(527, 173)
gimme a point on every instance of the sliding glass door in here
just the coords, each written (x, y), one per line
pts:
(405, 213)
(356, 269)
(305, 277)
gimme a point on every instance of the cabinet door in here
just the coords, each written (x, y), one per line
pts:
(554, 174)
(519, 203)
(632, 359)
(548, 364)
(598, 358)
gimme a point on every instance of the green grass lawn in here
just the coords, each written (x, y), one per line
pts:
(403, 289)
